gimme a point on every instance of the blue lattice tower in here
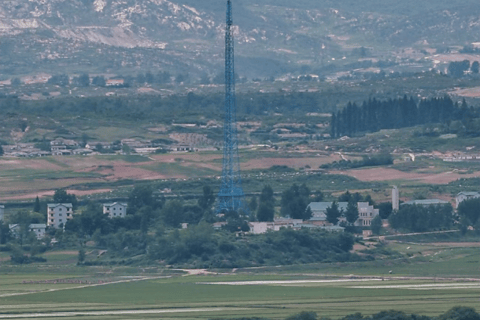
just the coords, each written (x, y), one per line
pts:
(231, 196)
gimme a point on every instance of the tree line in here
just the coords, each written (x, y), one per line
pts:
(374, 115)
(455, 313)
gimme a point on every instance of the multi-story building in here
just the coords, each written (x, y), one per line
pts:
(2, 212)
(366, 213)
(115, 210)
(58, 214)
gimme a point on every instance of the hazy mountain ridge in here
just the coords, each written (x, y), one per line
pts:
(188, 36)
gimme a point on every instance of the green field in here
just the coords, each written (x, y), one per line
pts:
(426, 279)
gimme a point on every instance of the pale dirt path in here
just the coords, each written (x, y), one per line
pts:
(410, 234)
(113, 312)
(81, 287)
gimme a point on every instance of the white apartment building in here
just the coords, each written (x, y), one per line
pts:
(58, 214)
(115, 210)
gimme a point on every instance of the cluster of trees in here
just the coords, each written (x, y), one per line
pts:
(383, 159)
(419, 218)
(456, 313)
(200, 247)
(458, 69)
(157, 108)
(469, 214)
(293, 203)
(374, 115)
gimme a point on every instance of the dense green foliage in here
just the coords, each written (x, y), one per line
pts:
(456, 313)
(470, 210)
(200, 247)
(295, 201)
(266, 207)
(374, 115)
(419, 218)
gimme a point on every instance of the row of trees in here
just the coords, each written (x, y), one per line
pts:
(458, 69)
(374, 115)
(419, 218)
(456, 313)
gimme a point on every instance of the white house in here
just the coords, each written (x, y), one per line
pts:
(276, 225)
(260, 227)
(58, 214)
(366, 213)
(37, 228)
(115, 210)
(2, 212)
(462, 196)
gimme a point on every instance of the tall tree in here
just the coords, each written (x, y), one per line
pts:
(294, 202)
(333, 213)
(352, 212)
(376, 225)
(36, 206)
(207, 199)
(266, 206)
(61, 196)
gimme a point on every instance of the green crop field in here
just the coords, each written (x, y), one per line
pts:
(198, 297)
(426, 279)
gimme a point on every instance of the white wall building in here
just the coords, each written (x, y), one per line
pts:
(58, 214)
(2, 212)
(366, 213)
(462, 196)
(115, 210)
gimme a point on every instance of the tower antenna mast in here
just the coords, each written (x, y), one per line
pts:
(231, 196)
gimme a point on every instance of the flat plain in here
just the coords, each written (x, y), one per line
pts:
(427, 279)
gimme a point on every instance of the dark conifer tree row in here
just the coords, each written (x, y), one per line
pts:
(374, 115)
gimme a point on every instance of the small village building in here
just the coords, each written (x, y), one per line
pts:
(58, 214)
(462, 196)
(38, 229)
(115, 210)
